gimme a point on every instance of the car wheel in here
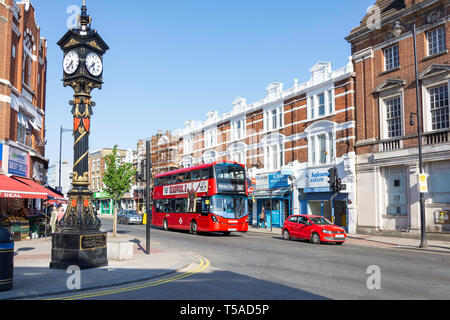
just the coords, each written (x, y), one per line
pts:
(286, 235)
(193, 229)
(315, 238)
(165, 225)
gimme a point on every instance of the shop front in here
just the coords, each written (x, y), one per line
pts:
(273, 193)
(103, 203)
(316, 197)
(22, 211)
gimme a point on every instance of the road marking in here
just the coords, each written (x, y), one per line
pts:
(204, 263)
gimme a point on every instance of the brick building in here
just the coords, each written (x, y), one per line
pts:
(288, 140)
(23, 70)
(386, 142)
(164, 152)
(97, 165)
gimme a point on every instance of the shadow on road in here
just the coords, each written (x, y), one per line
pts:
(33, 283)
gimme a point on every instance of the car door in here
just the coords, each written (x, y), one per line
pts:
(292, 226)
(302, 227)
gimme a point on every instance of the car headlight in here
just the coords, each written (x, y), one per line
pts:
(327, 231)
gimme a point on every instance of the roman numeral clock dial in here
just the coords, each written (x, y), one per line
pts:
(94, 64)
(71, 62)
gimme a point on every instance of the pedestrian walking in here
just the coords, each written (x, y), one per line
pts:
(59, 216)
(54, 217)
(262, 217)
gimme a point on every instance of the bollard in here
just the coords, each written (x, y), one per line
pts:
(6, 260)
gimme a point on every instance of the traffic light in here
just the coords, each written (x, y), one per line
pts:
(338, 184)
(334, 180)
(332, 174)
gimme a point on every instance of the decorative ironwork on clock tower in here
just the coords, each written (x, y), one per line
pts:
(83, 71)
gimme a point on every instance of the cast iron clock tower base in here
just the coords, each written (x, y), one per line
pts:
(80, 241)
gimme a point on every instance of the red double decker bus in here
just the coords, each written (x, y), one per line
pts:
(206, 198)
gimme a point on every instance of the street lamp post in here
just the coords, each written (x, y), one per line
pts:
(396, 32)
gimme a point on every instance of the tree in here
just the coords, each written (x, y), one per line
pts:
(117, 178)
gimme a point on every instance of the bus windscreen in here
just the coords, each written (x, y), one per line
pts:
(230, 178)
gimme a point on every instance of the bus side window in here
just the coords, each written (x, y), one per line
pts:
(205, 174)
(165, 205)
(180, 205)
(198, 205)
(205, 205)
(171, 205)
(195, 175)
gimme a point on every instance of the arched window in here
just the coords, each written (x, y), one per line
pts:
(321, 142)
(238, 152)
(273, 146)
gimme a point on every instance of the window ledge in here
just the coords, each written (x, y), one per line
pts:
(390, 70)
(434, 55)
(391, 216)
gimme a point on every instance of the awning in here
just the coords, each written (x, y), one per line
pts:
(52, 195)
(14, 189)
(276, 193)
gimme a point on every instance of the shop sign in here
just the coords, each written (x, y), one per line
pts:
(18, 162)
(314, 178)
(102, 195)
(278, 180)
(272, 181)
(10, 195)
(319, 189)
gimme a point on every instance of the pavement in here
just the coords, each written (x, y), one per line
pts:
(34, 279)
(438, 246)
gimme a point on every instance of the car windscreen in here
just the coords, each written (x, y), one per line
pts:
(320, 221)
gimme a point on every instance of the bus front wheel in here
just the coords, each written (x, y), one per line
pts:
(165, 225)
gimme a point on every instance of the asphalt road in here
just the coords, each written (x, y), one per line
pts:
(255, 266)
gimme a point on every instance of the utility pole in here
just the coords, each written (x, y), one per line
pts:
(148, 173)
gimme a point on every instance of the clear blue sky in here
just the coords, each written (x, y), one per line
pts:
(171, 61)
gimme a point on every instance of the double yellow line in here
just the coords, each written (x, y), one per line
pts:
(204, 263)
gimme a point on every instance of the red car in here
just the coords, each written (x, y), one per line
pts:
(317, 229)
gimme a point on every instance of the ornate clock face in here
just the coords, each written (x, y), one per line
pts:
(94, 64)
(71, 62)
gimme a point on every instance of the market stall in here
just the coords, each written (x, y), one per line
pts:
(23, 211)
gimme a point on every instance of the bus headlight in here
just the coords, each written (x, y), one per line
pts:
(214, 218)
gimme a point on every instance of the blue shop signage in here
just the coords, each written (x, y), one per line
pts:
(314, 180)
(272, 181)
(278, 180)
(18, 162)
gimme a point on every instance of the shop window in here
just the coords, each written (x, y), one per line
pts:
(396, 191)
(439, 176)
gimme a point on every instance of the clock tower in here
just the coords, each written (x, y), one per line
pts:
(79, 241)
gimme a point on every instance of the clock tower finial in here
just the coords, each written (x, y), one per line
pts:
(85, 19)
